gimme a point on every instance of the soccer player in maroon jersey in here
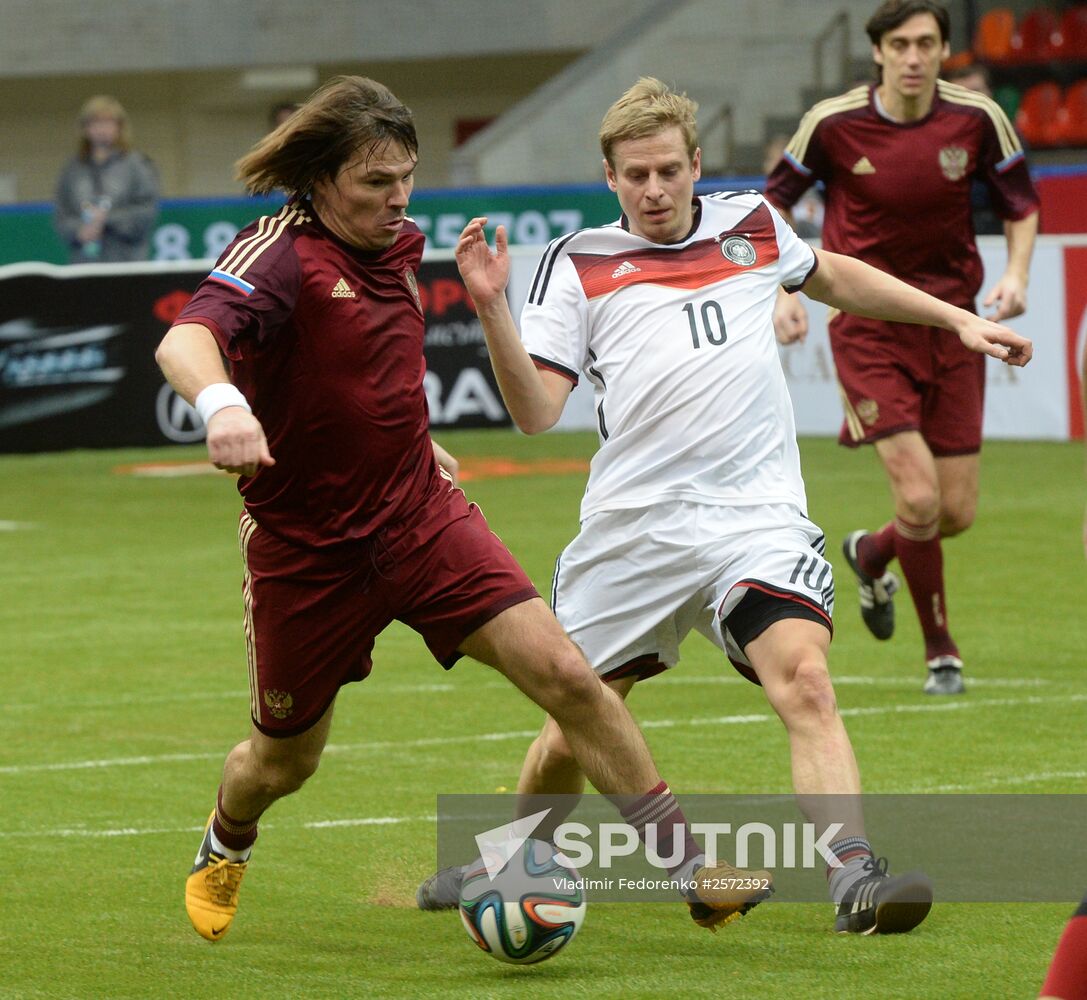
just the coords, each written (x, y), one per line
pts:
(897, 160)
(348, 522)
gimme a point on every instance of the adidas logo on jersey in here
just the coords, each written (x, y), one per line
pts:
(863, 166)
(625, 268)
(341, 290)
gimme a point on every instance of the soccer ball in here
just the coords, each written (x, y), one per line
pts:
(530, 911)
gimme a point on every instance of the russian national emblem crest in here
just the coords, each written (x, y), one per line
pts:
(279, 703)
(868, 411)
(953, 162)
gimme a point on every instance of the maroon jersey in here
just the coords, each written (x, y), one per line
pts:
(898, 193)
(326, 342)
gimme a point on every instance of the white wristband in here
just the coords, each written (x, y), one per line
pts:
(218, 396)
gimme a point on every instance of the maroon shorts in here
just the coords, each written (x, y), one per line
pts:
(899, 377)
(311, 616)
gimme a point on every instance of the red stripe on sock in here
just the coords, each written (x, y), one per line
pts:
(659, 808)
(238, 835)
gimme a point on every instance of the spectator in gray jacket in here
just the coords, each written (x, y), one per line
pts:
(107, 195)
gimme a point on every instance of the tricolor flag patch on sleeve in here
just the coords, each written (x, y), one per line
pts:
(234, 282)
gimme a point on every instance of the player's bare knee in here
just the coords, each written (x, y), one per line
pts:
(955, 520)
(569, 684)
(553, 749)
(285, 775)
(919, 502)
(810, 694)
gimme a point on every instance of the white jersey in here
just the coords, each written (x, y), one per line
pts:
(678, 341)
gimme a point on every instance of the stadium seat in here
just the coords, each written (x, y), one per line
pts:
(1039, 116)
(1075, 114)
(1008, 96)
(993, 37)
(1038, 36)
(1074, 33)
(957, 60)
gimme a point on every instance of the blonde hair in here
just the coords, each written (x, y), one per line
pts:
(103, 106)
(346, 115)
(645, 109)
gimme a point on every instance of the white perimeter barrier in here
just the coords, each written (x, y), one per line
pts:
(1032, 403)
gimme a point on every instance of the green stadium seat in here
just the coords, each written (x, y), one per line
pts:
(1008, 97)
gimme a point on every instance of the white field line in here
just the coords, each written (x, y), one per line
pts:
(989, 784)
(377, 689)
(16, 525)
(958, 705)
(237, 694)
(1003, 782)
(132, 831)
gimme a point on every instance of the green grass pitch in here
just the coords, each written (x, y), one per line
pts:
(123, 686)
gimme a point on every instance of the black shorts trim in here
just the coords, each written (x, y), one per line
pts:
(761, 606)
(640, 668)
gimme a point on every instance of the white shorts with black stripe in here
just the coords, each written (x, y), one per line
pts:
(634, 583)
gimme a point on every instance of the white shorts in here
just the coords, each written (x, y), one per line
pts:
(633, 583)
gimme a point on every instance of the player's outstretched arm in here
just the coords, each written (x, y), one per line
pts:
(189, 358)
(534, 398)
(855, 287)
(1008, 297)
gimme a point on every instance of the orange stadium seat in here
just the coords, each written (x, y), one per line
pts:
(1075, 114)
(993, 37)
(1038, 37)
(957, 60)
(1039, 118)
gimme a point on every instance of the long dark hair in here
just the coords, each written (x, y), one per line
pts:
(345, 115)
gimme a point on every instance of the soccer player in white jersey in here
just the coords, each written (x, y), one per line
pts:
(695, 515)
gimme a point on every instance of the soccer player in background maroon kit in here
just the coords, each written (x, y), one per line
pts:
(348, 523)
(897, 160)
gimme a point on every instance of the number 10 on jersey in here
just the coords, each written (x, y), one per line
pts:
(708, 322)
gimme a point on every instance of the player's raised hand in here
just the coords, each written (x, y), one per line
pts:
(1008, 296)
(484, 272)
(236, 441)
(1000, 342)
